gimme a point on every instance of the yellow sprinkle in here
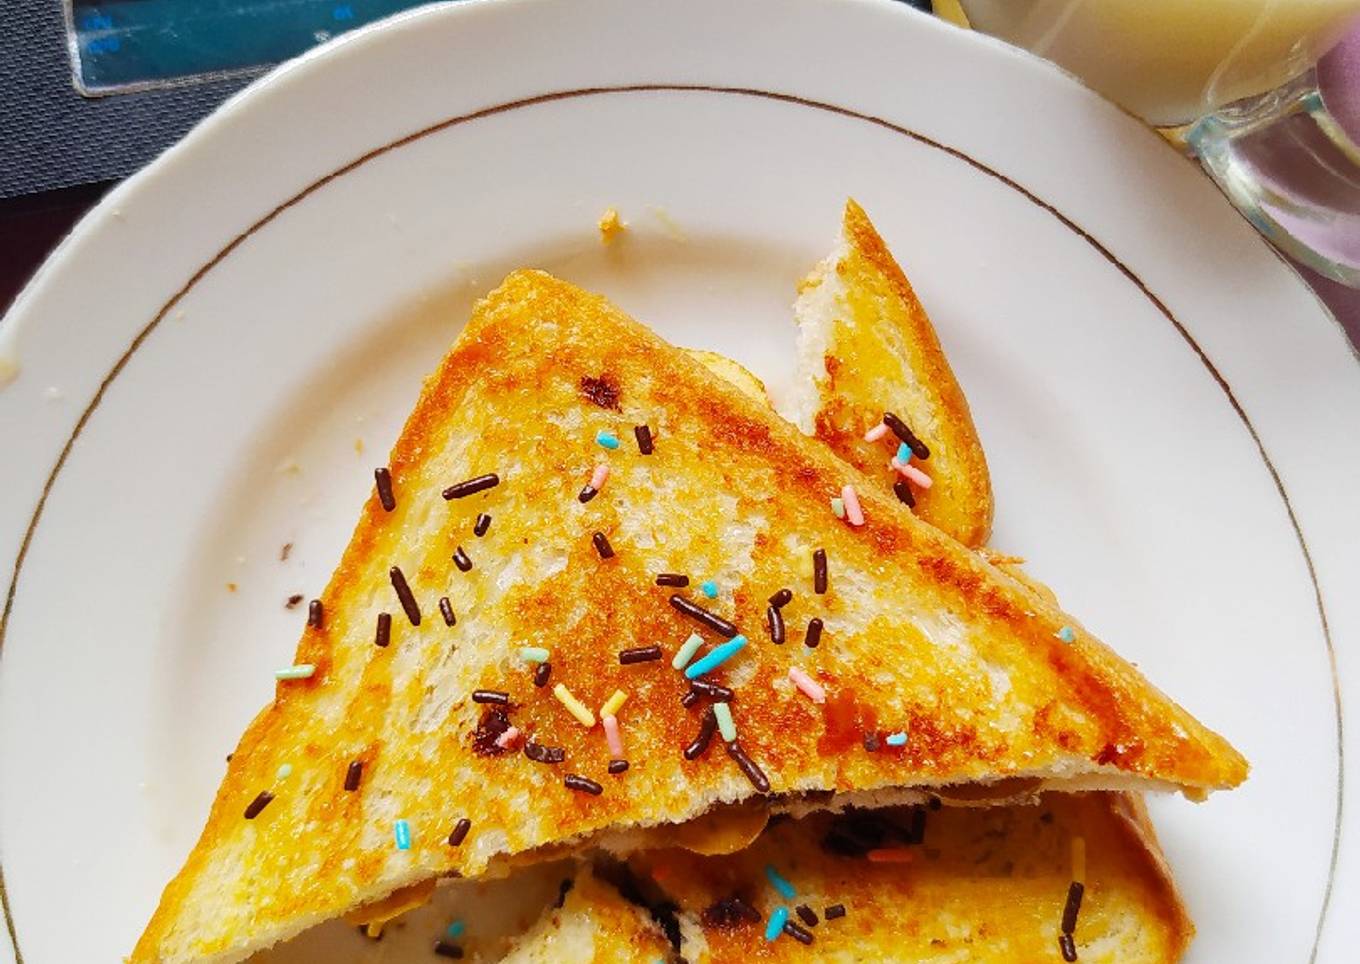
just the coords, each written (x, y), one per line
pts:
(611, 705)
(574, 706)
(1079, 859)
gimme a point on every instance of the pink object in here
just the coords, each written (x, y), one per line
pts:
(876, 433)
(611, 736)
(597, 480)
(913, 474)
(811, 689)
(508, 739)
(853, 513)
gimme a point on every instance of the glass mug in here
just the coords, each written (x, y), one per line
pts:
(1236, 82)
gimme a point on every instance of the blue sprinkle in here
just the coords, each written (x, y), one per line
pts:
(775, 927)
(715, 658)
(608, 439)
(896, 739)
(401, 830)
(779, 883)
(709, 589)
(904, 453)
(1067, 634)
(455, 930)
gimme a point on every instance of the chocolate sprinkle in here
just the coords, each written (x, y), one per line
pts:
(446, 610)
(258, 804)
(408, 601)
(384, 633)
(819, 571)
(800, 934)
(729, 912)
(582, 784)
(672, 579)
(472, 486)
(481, 525)
(283, 553)
(1068, 948)
(385, 496)
(643, 434)
(699, 745)
(541, 673)
(1069, 917)
(701, 615)
(353, 775)
(808, 915)
(491, 696)
(749, 767)
(618, 766)
(316, 616)
(461, 560)
(639, 654)
(871, 742)
(544, 754)
(904, 493)
(602, 546)
(776, 623)
(814, 633)
(459, 832)
(834, 911)
(899, 428)
(603, 391)
(493, 723)
(712, 689)
(782, 598)
(445, 949)
(587, 493)
(293, 600)
(689, 698)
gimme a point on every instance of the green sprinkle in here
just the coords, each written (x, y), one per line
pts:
(534, 654)
(1067, 634)
(726, 727)
(686, 651)
(838, 507)
(300, 671)
(455, 930)
(284, 771)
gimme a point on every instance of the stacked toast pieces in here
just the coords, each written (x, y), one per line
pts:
(603, 600)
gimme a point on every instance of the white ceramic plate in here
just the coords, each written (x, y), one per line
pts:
(1168, 411)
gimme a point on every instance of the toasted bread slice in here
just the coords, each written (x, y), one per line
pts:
(866, 347)
(921, 637)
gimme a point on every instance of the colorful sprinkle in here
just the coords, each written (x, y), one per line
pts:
(686, 651)
(607, 439)
(810, 688)
(507, 739)
(261, 801)
(726, 727)
(533, 654)
(455, 930)
(838, 507)
(613, 704)
(459, 832)
(284, 771)
(599, 476)
(611, 734)
(876, 433)
(853, 513)
(401, 832)
(709, 588)
(779, 883)
(913, 474)
(1067, 634)
(775, 926)
(353, 775)
(716, 657)
(299, 671)
(574, 706)
(472, 486)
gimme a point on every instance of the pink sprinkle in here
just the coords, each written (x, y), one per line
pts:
(601, 473)
(807, 684)
(913, 474)
(853, 513)
(611, 736)
(876, 433)
(507, 739)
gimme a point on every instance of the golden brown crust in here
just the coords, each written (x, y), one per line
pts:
(883, 354)
(917, 629)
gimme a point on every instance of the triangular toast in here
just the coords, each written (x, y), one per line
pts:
(867, 347)
(936, 668)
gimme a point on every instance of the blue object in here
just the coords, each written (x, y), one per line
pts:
(896, 739)
(608, 439)
(775, 927)
(779, 883)
(1067, 634)
(401, 830)
(715, 658)
(709, 589)
(455, 930)
(904, 453)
